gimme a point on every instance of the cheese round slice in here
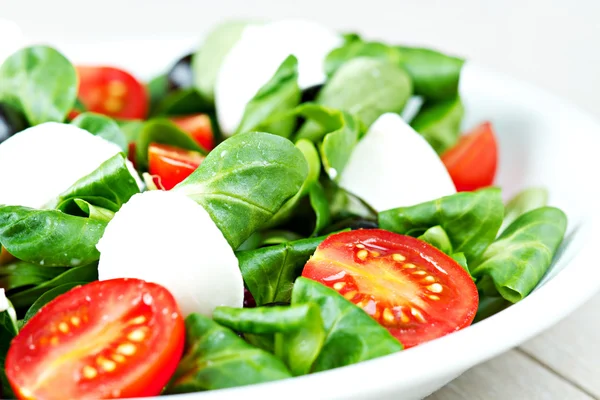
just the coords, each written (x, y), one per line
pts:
(257, 55)
(393, 166)
(41, 162)
(166, 238)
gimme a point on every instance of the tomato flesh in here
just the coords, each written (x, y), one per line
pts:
(199, 128)
(109, 339)
(170, 165)
(113, 92)
(473, 161)
(411, 288)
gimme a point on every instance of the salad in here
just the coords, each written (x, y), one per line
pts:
(283, 201)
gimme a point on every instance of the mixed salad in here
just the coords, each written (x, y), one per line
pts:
(283, 201)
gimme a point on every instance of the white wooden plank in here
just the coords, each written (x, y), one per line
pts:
(512, 375)
(572, 347)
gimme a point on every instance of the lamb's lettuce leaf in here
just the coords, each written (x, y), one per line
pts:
(279, 95)
(102, 126)
(439, 123)
(270, 272)
(470, 219)
(25, 84)
(245, 180)
(524, 201)
(217, 358)
(49, 237)
(520, 257)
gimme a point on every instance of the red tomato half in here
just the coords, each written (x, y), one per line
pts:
(473, 161)
(109, 339)
(199, 128)
(411, 288)
(113, 92)
(170, 165)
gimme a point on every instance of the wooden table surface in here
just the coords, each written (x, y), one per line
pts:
(562, 363)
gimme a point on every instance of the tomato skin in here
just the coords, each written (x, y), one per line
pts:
(106, 339)
(411, 288)
(113, 92)
(473, 161)
(169, 165)
(199, 127)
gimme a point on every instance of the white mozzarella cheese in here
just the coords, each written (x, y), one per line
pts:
(393, 166)
(41, 162)
(259, 52)
(3, 301)
(167, 238)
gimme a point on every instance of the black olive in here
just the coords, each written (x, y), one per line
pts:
(352, 223)
(249, 301)
(310, 94)
(181, 75)
(11, 122)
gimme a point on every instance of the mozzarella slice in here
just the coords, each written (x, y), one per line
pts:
(393, 166)
(3, 301)
(41, 162)
(258, 54)
(167, 238)
(12, 39)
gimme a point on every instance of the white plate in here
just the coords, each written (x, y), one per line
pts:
(543, 141)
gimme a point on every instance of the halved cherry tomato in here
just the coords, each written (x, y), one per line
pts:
(108, 339)
(113, 92)
(473, 161)
(131, 149)
(199, 128)
(411, 288)
(170, 165)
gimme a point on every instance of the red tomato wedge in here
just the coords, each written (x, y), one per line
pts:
(113, 92)
(411, 288)
(473, 161)
(199, 128)
(108, 339)
(170, 165)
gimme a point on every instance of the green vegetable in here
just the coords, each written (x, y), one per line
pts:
(439, 123)
(435, 75)
(261, 320)
(352, 335)
(76, 276)
(320, 205)
(462, 261)
(525, 201)
(158, 88)
(216, 358)
(365, 88)
(93, 212)
(109, 187)
(8, 330)
(268, 238)
(280, 95)
(49, 237)
(40, 82)
(46, 298)
(131, 129)
(207, 61)
(471, 219)
(520, 257)
(490, 305)
(181, 102)
(270, 272)
(437, 237)
(245, 180)
(339, 130)
(162, 131)
(344, 205)
(298, 330)
(20, 274)
(357, 48)
(311, 155)
(102, 126)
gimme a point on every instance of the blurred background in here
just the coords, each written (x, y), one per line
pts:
(551, 43)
